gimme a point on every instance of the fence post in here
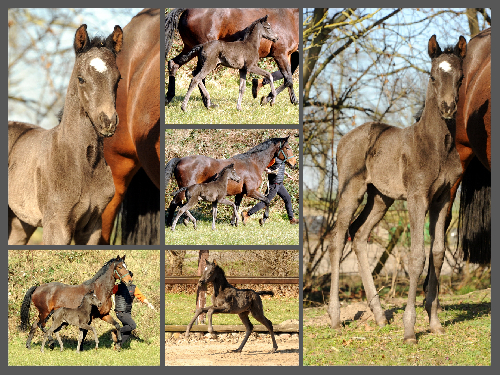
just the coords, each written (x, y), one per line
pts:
(201, 294)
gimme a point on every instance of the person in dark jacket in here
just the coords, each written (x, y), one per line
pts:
(275, 175)
(124, 296)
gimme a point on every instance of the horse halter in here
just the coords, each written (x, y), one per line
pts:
(120, 277)
(280, 151)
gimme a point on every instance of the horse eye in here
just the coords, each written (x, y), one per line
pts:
(81, 80)
(433, 79)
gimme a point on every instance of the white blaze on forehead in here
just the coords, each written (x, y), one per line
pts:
(98, 64)
(206, 268)
(445, 65)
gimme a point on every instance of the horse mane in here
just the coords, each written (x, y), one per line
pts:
(97, 41)
(260, 147)
(219, 174)
(250, 28)
(101, 272)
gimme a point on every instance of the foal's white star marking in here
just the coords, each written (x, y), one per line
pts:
(98, 65)
(445, 65)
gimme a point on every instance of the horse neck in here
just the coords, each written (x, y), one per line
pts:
(86, 306)
(105, 283)
(224, 178)
(265, 156)
(431, 123)
(75, 124)
(253, 39)
(220, 283)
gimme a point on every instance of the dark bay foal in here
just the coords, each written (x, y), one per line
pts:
(58, 178)
(419, 164)
(79, 317)
(229, 300)
(214, 191)
(242, 55)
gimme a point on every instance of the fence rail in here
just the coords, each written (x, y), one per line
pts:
(278, 328)
(235, 280)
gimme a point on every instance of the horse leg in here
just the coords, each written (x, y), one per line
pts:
(84, 334)
(229, 203)
(80, 340)
(437, 223)
(173, 65)
(349, 201)
(243, 81)
(46, 335)
(284, 66)
(205, 95)
(376, 206)
(57, 231)
(196, 314)
(89, 327)
(34, 326)
(258, 314)
(255, 69)
(189, 204)
(214, 214)
(417, 208)
(19, 232)
(109, 319)
(191, 217)
(237, 203)
(61, 346)
(248, 330)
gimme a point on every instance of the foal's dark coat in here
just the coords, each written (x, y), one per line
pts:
(229, 300)
(214, 191)
(420, 164)
(58, 178)
(80, 317)
(242, 55)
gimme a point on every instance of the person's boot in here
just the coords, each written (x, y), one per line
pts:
(294, 221)
(245, 217)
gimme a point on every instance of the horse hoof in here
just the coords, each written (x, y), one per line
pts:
(274, 350)
(263, 100)
(183, 107)
(236, 350)
(212, 106)
(410, 341)
(438, 330)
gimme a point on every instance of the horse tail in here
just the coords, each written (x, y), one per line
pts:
(140, 212)
(171, 24)
(169, 168)
(474, 220)
(265, 292)
(188, 56)
(25, 308)
(48, 316)
(178, 191)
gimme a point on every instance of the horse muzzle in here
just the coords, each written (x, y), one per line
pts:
(107, 126)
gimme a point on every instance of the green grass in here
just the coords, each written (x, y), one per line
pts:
(224, 91)
(34, 267)
(179, 310)
(276, 231)
(467, 338)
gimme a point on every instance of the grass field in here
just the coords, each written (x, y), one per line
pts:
(276, 231)
(224, 91)
(467, 339)
(34, 267)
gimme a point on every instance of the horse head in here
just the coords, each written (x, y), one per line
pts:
(209, 273)
(232, 173)
(93, 300)
(446, 75)
(96, 78)
(120, 271)
(268, 32)
(285, 153)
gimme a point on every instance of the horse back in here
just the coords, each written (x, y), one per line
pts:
(54, 295)
(201, 25)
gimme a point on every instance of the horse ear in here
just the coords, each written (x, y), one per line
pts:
(82, 40)
(214, 263)
(461, 47)
(115, 40)
(434, 49)
(123, 258)
(264, 19)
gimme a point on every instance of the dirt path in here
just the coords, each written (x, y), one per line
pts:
(213, 352)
